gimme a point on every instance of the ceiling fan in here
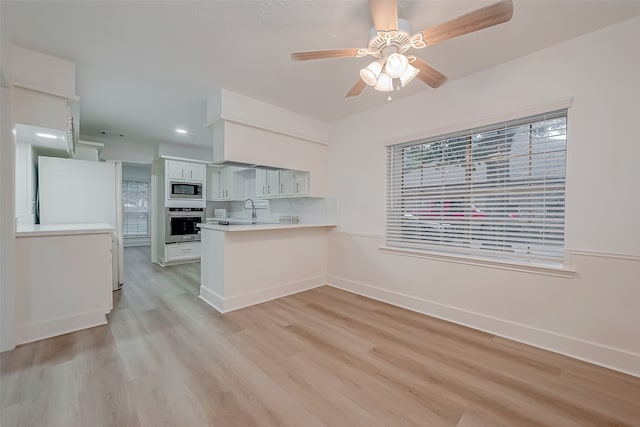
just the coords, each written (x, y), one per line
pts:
(391, 37)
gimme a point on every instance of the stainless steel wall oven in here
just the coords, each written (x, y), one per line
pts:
(181, 224)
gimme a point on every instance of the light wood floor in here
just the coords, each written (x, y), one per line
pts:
(320, 358)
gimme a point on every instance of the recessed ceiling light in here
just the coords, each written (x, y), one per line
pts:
(46, 135)
(182, 131)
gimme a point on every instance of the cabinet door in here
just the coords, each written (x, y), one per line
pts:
(261, 183)
(224, 184)
(229, 188)
(175, 170)
(213, 184)
(287, 183)
(273, 183)
(301, 182)
(196, 172)
(182, 251)
(235, 183)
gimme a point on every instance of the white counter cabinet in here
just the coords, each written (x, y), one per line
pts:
(243, 265)
(181, 252)
(64, 276)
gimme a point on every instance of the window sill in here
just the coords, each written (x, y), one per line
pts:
(536, 267)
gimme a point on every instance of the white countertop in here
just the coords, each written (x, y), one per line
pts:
(29, 230)
(257, 227)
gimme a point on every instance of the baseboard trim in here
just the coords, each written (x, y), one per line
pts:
(212, 298)
(236, 302)
(608, 357)
(62, 325)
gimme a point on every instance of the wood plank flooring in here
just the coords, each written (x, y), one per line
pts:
(324, 357)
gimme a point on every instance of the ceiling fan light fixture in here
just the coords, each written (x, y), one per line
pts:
(371, 72)
(396, 65)
(384, 84)
(409, 74)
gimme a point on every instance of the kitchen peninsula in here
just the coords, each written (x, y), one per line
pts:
(246, 264)
(65, 274)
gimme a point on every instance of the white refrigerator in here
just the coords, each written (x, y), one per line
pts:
(74, 191)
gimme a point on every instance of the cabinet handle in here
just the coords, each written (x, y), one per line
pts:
(297, 187)
(263, 190)
(269, 188)
(282, 188)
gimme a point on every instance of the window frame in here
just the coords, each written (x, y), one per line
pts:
(124, 210)
(463, 254)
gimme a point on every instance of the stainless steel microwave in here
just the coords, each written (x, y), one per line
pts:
(185, 190)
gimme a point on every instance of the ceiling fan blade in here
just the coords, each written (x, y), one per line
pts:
(428, 74)
(384, 14)
(356, 89)
(322, 54)
(485, 17)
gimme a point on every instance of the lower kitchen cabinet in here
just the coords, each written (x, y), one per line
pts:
(181, 251)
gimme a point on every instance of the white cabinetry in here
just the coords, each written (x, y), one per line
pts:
(267, 183)
(185, 171)
(226, 183)
(272, 183)
(213, 183)
(261, 183)
(181, 251)
(232, 183)
(301, 181)
(287, 183)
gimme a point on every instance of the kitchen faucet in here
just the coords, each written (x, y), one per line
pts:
(254, 216)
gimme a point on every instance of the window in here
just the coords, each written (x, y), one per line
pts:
(498, 190)
(136, 208)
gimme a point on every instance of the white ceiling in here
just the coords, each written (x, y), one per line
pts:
(147, 67)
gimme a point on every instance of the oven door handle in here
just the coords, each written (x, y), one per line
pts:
(182, 215)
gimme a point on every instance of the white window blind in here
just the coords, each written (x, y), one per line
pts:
(498, 190)
(136, 208)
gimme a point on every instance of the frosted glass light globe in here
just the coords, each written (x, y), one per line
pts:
(396, 65)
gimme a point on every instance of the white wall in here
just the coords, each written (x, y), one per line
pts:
(231, 106)
(136, 172)
(41, 72)
(144, 152)
(593, 315)
(203, 154)
(252, 145)
(7, 218)
(7, 195)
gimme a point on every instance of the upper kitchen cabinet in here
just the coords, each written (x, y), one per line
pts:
(185, 171)
(273, 183)
(181, 181)
(252, 132)
(294, 183)
(44, 93)
(267, 183)
(213, 183)
(228, 183)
